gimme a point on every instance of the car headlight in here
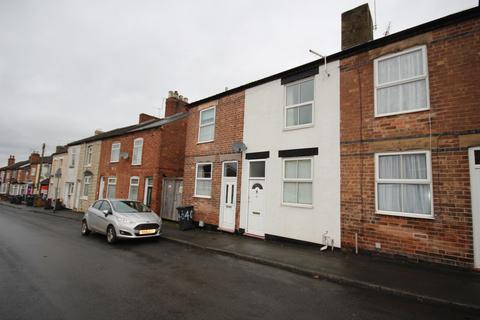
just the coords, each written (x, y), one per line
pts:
(124, 220)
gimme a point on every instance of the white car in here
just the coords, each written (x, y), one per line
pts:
(119, 218)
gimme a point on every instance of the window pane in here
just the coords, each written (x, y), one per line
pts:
(389, 167)
(305, 192)
(414, 166)
(388, 70)
(206, 133)
(389, 197)
(416, 198)
(230, 169)
(414, 95)
(306, 91)
(138, 143)
(291, 169)
(133, 194)
(293, 95)
(290, 192)
(207, 116)
(111, 189)
(304, 169)
(257, 169)
(203, 187)
(388, 100)
(134, 181)
(292, 117)
(204, 171)
(411, 64)
(305, 114)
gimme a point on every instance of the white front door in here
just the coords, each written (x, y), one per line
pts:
(228, 196)
(256, 199)
(474, 156)
(102, 187)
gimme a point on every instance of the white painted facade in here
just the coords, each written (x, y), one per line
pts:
(264, 130)
(71, 179)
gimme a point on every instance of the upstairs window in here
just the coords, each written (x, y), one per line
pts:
(88, 156)
(401, 82)
(115, 154)
(73, 156)
(206, 131)
(299, 104)
(404, 184)
(137, 151)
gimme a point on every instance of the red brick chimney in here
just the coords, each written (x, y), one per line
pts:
(357, 26)
(175, 103)
(34, 158)
(142, 117)
(11, 160)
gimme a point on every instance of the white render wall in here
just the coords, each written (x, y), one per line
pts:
(263, 131)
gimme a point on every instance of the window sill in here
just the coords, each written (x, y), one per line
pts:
(303, 126)
(297, 205)
(136, 164)
(401, 112)
(83, 198)
(202, 197)
(115, 161)
(406, 215)
(202, 142)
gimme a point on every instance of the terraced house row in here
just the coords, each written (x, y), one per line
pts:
(376, 147)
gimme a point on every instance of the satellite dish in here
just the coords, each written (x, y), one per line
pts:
(124, 155)
(239, 147)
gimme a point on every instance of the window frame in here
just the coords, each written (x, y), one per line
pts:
(141, 152)
(286, 107)
(200, 126)
(130, 187)
(72, 158)
(204, 179)
(425, 76)
(111, 152)
(427, 181)
(109, 183)
(298, 205)
(88, 155)
(86, 184)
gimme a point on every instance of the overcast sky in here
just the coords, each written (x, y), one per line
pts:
(70, 67)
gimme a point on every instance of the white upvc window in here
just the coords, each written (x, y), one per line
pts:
(115, 153)
(133, 190)
(206, 126)
(403, 184)
(73, 156)
(111, 187)
(203, 180)
(86, 185)
(401, 82)
(298, 181)
(137, 151)
(88, 155)
(299, 104)
(33, 171)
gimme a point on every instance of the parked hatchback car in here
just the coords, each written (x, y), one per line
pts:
(121, 218)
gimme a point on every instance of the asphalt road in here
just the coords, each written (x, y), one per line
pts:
(49, 271)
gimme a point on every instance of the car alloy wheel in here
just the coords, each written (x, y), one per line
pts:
(111, 235)
(85, 230)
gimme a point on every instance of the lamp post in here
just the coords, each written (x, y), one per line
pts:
(58, 175)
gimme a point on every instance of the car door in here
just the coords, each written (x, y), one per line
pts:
(103, 219)
(94, 215)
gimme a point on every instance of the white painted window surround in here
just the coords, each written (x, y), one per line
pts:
(299, 104)
(297, 181)
(403, 184)
(115, 154)
(206, 125)
(203, 180)
(137, 151)
(401, 82)
(133, 190)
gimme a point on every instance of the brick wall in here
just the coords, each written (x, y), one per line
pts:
(228, 129)
(162, 156)
(454, 74)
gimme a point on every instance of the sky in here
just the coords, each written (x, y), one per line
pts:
(69, 67)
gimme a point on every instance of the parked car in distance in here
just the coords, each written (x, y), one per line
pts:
(121, 218)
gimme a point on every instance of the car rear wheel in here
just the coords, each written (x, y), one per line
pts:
(111, 235)
(85, 230)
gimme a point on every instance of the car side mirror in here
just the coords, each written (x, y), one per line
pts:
(106, 212)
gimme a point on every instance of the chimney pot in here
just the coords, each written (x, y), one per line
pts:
(357, 26)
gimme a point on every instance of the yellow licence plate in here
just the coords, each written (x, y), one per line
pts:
(148, 231)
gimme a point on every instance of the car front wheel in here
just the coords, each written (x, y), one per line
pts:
(111, 235)
(85, 230)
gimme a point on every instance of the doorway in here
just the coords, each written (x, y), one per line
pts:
(256, 198)
(228, 196)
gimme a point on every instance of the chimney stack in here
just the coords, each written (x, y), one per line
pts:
(60, 149)
(357, 26)
(34, 158)
(11, 160)
(142, 117)
(175, 103)
(98, 131)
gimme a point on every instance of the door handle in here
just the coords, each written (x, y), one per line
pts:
(255, 212)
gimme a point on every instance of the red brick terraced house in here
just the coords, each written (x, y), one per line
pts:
(213, 159)
(135, 160)
(410, 139)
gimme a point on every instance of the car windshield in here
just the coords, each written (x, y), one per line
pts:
(126, 206)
